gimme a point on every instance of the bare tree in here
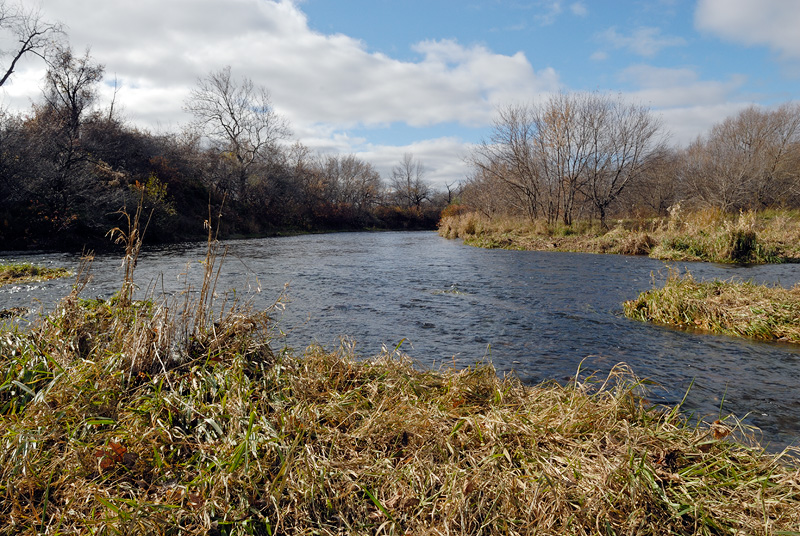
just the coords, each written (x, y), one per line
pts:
(30, 34)
(508, 158)
(658, 188)
(239, 120)
(62, 182)
(408, 182)
(747, 161)
(71, 88)
(454, 189)
(359, 182)
(571, 148)
(564, 139)
(488, 194)
(625, 140)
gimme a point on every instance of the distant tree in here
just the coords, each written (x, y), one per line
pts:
(408, 182)
(240, 122)
(625, 140)
(351, 181)
(747, 161)
(507, 159)
(29, 33)
(658, 188)
(62, 166)
(489, 194)
(571, 149)
(453, 190)
(71, 89)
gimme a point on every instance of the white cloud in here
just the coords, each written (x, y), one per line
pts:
(661, 87)
(313, 78)
(323, 84)
(443, 159)
(773, 23)
(551, 9)
(644, 41)
(688, 105)
(687, 122)
(667, 88)
(579, 9)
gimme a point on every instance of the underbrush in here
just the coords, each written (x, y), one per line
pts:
(735, 308)
(703, 235)
(177, 417)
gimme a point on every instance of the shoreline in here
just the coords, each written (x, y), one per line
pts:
(747, 238)
(236, 437)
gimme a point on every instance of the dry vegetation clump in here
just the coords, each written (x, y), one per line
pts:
(735, 308)
(781, 229)
(26, 273)
(711, 235)
(702, 235)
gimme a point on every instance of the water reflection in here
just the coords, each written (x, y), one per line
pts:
(540, 315)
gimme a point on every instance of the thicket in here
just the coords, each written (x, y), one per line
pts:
(68, 166)
(578, 157)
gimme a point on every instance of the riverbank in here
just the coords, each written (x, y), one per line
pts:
(712, 236)
(741, 309)
(141, 416)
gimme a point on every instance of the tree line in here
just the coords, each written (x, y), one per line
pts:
(592, 155)
(69, 167)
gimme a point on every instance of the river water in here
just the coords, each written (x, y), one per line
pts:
(540, 315)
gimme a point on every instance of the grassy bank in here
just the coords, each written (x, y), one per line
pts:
(26, 273)
(765, 237)
(742, 309)
(175, 416)
(106, 435)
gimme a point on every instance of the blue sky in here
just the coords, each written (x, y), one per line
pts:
(380, 78)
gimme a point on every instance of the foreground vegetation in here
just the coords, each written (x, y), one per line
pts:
(176, 417)
(703, 235)
(109, 434)
(26, 272)
(735, 308)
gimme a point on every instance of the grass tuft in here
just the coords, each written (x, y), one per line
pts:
(27, 273)
(742, 309)
(249, 442)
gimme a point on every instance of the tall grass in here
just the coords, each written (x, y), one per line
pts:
(735, 308)
(702, 235)
(159, 417)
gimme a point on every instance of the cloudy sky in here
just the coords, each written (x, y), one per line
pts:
(380, 78)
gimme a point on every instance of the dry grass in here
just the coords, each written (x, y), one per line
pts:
(237, 440)
(703, 235)
(735, 308)
(154, 417)
(26, 273)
